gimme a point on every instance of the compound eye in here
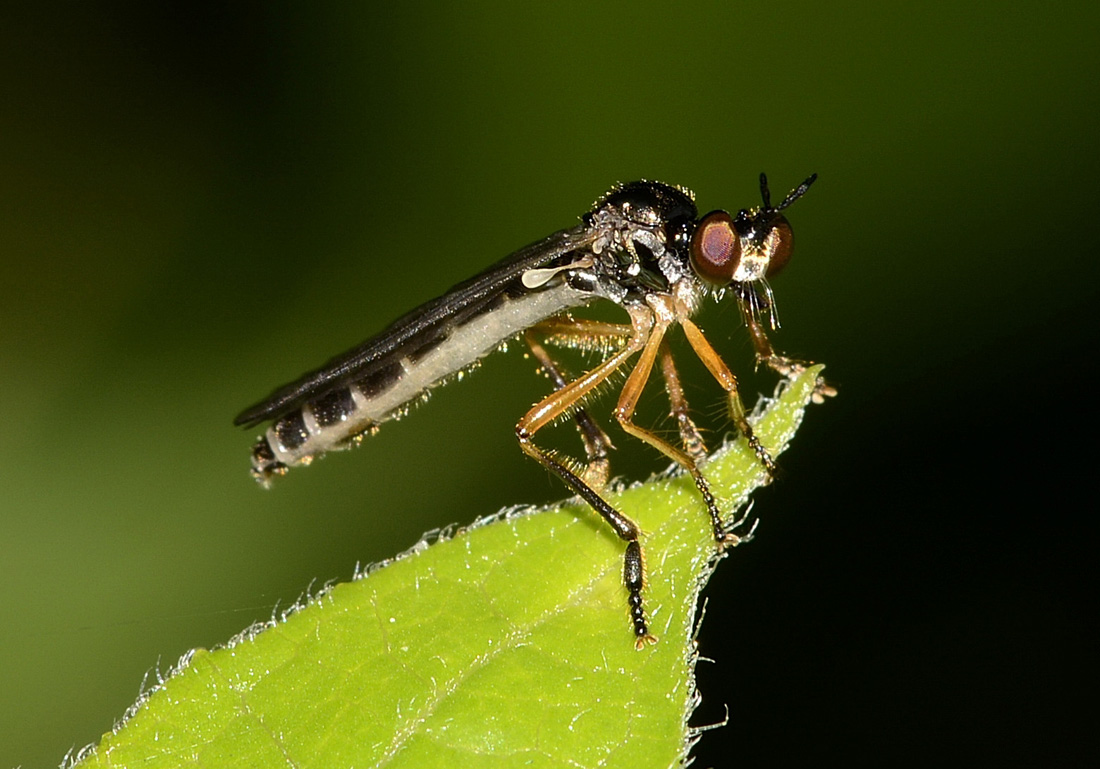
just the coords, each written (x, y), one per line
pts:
(716, 248)
(780, 243)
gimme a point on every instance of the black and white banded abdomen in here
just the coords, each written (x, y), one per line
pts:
(340, 417)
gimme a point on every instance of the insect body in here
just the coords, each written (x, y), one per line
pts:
(642, 247)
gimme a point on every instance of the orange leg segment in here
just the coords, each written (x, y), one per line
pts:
(781, 364)
(562, 402)
(721, 372)
(628, 402)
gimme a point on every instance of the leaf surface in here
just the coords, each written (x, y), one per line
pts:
(504, 644)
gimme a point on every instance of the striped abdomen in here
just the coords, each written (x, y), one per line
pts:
(340, 417)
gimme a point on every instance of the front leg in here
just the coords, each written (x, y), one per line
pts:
(781, 364)
(726, 378)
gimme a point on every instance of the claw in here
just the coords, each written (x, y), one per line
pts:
(792, 368)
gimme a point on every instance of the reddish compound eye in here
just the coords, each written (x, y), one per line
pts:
(716, 248)
(780, 243)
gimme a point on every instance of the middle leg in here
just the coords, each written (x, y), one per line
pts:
(597, 445)
(694, 450)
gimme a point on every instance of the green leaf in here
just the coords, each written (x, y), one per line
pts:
(503, 644)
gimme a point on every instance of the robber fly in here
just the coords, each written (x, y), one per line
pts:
(643, 247)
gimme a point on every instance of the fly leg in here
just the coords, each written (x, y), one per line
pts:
(693, 442)
(694, 447)
(694, 450)
(559, 404)
(781, 364)
(720, 371)
(690, 437)
(597, 445)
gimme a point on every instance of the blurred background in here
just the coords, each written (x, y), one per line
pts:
(201, 202)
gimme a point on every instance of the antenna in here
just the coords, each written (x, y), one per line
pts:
(796, 193)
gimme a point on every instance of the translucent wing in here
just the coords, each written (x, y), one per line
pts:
(421, 327)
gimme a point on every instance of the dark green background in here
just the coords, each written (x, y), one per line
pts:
(199, 203)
